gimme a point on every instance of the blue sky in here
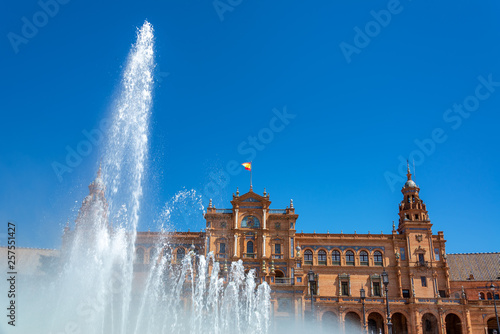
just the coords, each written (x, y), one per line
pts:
(366, 85)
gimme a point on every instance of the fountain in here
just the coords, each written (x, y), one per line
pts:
(94, 291)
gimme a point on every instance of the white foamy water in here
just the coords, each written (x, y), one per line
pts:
(93, 290)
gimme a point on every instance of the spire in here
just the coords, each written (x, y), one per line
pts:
(408, 169)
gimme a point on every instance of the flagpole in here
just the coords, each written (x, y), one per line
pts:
(251, 175)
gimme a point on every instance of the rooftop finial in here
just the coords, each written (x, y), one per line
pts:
(408, 169)
(393, 226)
(265, 193)
(210, 204)
(237, 191)
(291, 203)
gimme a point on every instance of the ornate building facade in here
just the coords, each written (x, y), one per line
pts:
(429, 291)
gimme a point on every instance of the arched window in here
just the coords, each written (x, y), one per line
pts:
(489, 296)
(180, 254)
(336, 258)
(322, 257)
(363, 258)
(250, 247)
(481, 295)
(349, 258)
(308, 257)
(153, 255)
(139, 255)
(377, 257)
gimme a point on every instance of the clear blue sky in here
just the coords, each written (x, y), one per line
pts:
(360, 102)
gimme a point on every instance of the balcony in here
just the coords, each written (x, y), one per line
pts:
(277, 256)
(223, 210)
(249, 255)
(283, 281)
(422, 264)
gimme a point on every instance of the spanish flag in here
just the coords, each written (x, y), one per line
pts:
(247, 165)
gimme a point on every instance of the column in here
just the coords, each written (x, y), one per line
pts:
(236, 219)
(264, 219)
(263, 246)
(235, 245)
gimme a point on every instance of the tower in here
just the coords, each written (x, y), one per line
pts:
(412, 210)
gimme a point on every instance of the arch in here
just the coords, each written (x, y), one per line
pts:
(180, 254)
(352, 322)
(279, 273)
(308, 256)
(375, 323)
(491, 324)
(336, 257)
(349, 258)
(489, 296)
(453, 324)
(481, 295)
(378, 258)
(250, 247)
(399, 323)
(429, 324)
(363, 258)
(329, 321)
(250, 222)
(139, 255)
(322, 257)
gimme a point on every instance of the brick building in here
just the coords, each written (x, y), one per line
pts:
(429, 291)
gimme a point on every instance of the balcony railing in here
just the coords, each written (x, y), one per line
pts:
(424, 264)
(277, 211)
(223, 210)
(283, 280)
(222, 256)
(277, 256)
(249, 255)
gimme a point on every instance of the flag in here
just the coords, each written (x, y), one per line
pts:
(247, 165)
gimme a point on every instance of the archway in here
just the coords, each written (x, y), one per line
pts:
(352, 322)
(492, 325)
(375, 323)
(453, 324)
(330, 322)
(399, 324)
(429, 324)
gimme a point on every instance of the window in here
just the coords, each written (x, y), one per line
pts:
(222, 247)
(421, 259)
(363, 258)
(277, 248)
(139, 255)
(416, 217)
(322, 257)
(402, 252)
(489, 296)
(308, 257)
(442, 293)
(423, 279)
(336, 257)
(406, 293)
(250, 247)
(345, 288)
(377, 257)
(436, 254)
(349, 258)
(299, 279)
(481, 296)
(376, 289)
(180, 254)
